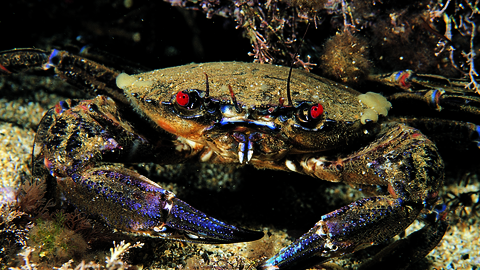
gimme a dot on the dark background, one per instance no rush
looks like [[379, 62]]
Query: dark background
[[169, 35]]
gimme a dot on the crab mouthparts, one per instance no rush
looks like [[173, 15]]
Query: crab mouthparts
[[246, 132], [245, 145]]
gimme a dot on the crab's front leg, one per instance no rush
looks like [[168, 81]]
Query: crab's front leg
[[81, 142], [402, 160]]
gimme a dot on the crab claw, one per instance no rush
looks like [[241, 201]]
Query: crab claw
[[186, 223], [132, 204]]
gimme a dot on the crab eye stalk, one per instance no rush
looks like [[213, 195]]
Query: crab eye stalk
[[193, 103], [189, 100], [308, 114], [182, 99], [316, 111]]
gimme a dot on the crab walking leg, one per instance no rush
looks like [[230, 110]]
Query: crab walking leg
[[80, 140], [410, 249], [350, 228], [96, 78], [401, 159]]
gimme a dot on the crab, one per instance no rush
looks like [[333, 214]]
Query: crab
[[269, 117]]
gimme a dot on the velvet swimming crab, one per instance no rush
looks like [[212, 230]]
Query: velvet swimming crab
[[246, 114]]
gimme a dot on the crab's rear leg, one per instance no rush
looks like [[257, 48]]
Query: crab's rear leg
[[402, 253], [78, 71], [80, 145], [402, 160], [18, 60]]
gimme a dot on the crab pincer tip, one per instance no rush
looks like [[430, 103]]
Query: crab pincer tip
[[301, 254], [197, 227]]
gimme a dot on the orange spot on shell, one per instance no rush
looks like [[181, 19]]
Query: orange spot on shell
[[391, 191], [416, 135], [166, 126], [48, 164], [402, 81], [58, 108]]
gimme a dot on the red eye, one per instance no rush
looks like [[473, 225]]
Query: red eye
[[309, 115], [182, 99], [316, 111]]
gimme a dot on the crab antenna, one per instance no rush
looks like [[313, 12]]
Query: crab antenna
[[207, 91], [234, 100], [289, 97]]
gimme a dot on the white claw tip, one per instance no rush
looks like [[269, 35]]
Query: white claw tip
[[290, 165]]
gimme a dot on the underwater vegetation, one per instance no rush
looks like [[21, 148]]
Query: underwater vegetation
[[46, 238], [51, 241], [437, 37]]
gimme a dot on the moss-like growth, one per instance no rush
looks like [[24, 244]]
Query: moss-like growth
[[54, 243], [311, 4], [345, 58]]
